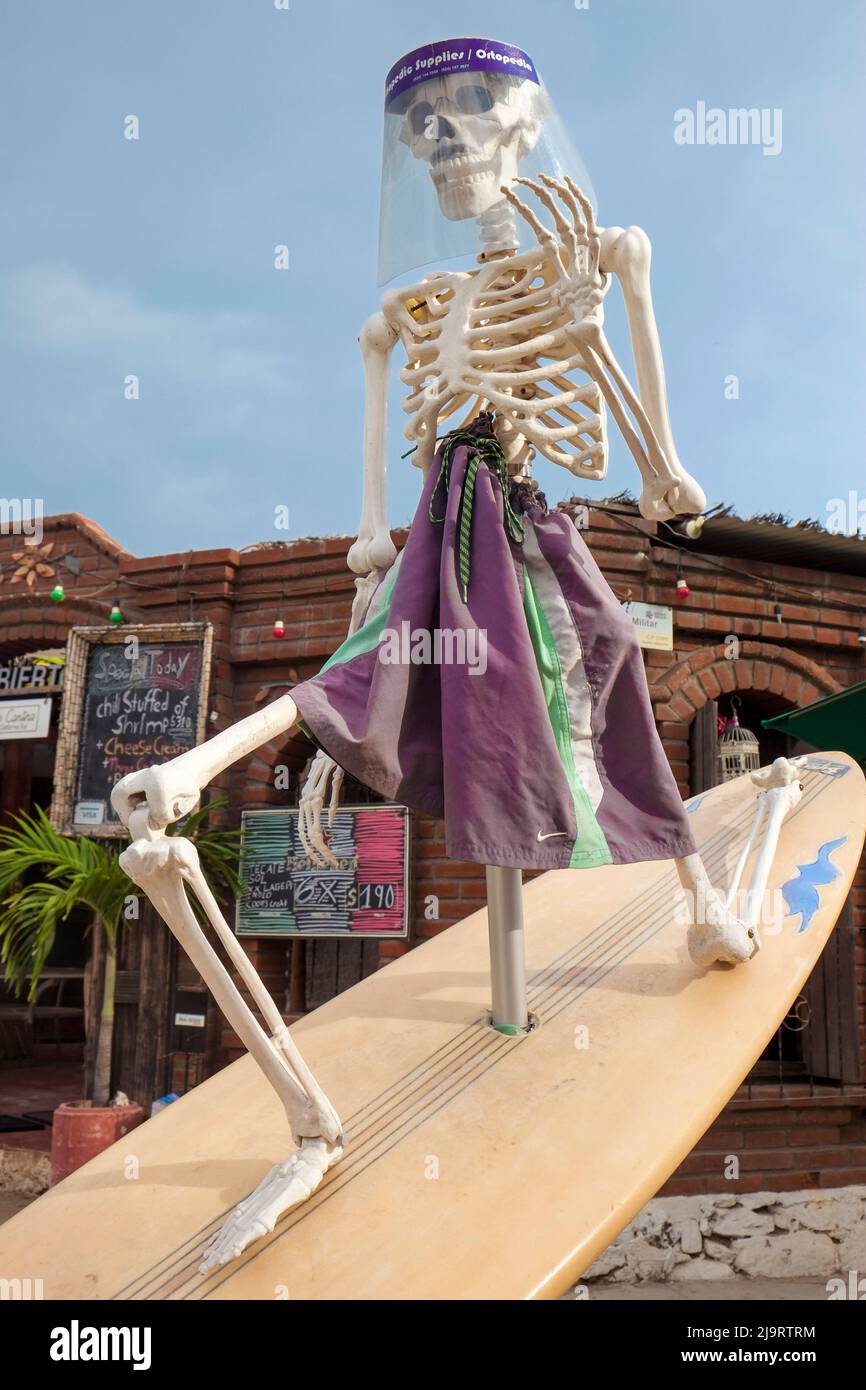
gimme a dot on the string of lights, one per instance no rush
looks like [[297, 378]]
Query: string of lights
[[775, 588]]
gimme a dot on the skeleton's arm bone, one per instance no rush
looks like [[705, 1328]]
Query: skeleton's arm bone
[[172, 790], [374, 549], [627, 253]]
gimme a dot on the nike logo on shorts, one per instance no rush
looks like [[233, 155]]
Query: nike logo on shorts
[[552, 835]]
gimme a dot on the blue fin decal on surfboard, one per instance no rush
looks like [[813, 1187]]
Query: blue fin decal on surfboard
[[690, 806], [801, 893]]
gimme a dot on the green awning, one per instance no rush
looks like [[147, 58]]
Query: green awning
[[838, 721]]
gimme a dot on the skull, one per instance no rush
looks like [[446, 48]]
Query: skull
[[472, 129]]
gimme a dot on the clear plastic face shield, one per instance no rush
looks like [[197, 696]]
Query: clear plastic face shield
[[463, 118]]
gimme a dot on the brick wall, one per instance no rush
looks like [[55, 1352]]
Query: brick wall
[[806, 651]]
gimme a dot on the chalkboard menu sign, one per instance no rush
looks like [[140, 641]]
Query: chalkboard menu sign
[[134, 696], [285, 894]]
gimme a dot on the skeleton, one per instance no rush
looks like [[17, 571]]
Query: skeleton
[[521, 336]]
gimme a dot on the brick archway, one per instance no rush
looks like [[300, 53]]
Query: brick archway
[[707, 672]]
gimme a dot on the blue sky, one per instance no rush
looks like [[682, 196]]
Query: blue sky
[[261, 126]]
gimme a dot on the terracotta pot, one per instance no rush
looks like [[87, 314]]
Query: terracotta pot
[[81, 1131]]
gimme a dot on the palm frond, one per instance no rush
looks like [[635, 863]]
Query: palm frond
[[82, 872]]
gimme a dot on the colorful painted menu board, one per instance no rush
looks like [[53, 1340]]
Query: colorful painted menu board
[[286, 894]]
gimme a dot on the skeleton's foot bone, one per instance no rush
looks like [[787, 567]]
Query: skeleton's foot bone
[[723, 938], [287, 1184], [716, 933]]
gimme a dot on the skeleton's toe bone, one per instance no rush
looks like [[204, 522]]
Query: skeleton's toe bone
[[287, 1184]]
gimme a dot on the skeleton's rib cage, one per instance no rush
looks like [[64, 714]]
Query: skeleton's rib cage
[[497, 337]]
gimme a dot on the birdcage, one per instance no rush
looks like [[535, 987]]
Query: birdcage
[[738, 749]]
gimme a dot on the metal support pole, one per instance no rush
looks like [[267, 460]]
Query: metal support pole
[[507, 954]]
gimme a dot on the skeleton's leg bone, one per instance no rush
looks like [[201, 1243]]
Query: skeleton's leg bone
[[779, 801], [280, 1034], [733, 886], [314, 1123], [171, 790], [721, 935], [309, 1114]]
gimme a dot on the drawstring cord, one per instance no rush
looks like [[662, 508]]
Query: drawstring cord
[[485, 448]]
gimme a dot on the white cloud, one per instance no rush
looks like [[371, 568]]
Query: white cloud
[[56, 308]]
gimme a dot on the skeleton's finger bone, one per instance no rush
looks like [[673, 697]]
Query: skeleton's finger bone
[[585, 206], [562, 223], [545, 237], [570, 229], [593, 236], [573, 206], [320, 844], [336, 788], [308, 822]]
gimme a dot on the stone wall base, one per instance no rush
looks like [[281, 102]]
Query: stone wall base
[[26, 1171], [766, 1235]]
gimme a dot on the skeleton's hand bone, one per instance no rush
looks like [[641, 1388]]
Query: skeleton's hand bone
[[287, 1183], [576, 249], [313, 796], [169, 791], [580, 286]]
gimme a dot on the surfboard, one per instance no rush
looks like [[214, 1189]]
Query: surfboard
[[476, 1165]]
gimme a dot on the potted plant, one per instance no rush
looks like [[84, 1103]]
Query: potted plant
[[44, 876]]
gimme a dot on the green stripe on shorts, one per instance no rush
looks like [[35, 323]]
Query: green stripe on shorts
[[590, 846]]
